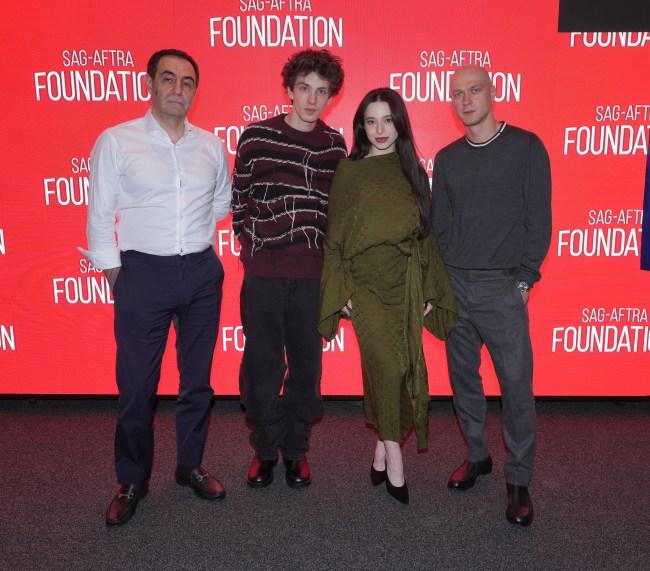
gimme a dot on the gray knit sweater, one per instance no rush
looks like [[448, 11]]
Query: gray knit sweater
[[492, 203]]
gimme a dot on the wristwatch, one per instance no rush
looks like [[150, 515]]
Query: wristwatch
[[523, 286]]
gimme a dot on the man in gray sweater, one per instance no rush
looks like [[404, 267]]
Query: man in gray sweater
[[492, 217]]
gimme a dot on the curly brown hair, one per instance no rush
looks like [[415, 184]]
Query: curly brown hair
[[322, 62]]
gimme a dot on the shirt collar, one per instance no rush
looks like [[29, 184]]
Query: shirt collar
[[152, 126]]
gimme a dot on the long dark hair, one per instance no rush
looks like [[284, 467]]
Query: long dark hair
[[405, 146]]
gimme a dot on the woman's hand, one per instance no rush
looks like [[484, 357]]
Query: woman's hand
[[347, 308]]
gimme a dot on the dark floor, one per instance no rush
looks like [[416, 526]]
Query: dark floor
[[590, 492]]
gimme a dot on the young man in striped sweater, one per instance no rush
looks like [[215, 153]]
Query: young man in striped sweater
[[281, 182]]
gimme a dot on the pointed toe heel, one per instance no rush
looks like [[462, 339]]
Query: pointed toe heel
[[401, 493], [377, 476]]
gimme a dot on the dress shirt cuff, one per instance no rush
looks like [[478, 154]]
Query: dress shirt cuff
[[103, 260]]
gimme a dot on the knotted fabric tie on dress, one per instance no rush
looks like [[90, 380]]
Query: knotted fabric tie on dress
[[413, 308]]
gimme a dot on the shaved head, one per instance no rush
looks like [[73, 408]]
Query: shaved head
[[479, 73]]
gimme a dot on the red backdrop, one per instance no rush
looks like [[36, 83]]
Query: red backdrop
[[75, 71]]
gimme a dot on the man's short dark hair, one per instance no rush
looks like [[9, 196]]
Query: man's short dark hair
[[322, 62], [152, 66]]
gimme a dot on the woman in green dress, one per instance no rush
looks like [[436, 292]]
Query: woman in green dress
[[383, 271]]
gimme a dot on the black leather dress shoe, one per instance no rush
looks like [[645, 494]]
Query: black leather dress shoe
[[377, 476], [260, 474], [520, 506], [465, 476], [200, 480], [124, 503], [401, 493], [298, 472]]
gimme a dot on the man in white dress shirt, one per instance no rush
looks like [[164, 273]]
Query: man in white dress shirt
[[158, 186]]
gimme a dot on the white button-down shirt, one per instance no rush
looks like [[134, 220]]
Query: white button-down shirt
[[151, 195]]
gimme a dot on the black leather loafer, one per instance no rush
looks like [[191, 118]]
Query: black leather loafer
[[200, 480], [520, 506], [260, 474], [298, 472], [465, 476], [125, 502]]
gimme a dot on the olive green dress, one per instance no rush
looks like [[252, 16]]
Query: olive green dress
[[373, 257]]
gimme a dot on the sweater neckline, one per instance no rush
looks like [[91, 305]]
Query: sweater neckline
[[297, 133], [492, 138]]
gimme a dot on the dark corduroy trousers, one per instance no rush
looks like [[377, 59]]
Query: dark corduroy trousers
[[280, 316]]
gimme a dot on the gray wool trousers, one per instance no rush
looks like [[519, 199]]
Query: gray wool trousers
[[492, 313]]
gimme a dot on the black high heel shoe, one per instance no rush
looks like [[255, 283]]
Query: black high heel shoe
[[401, 493], [377, 476]]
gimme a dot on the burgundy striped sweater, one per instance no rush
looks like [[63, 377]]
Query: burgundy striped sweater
[[281, 183]]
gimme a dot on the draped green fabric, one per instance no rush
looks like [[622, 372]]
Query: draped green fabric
[[373, 257]]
